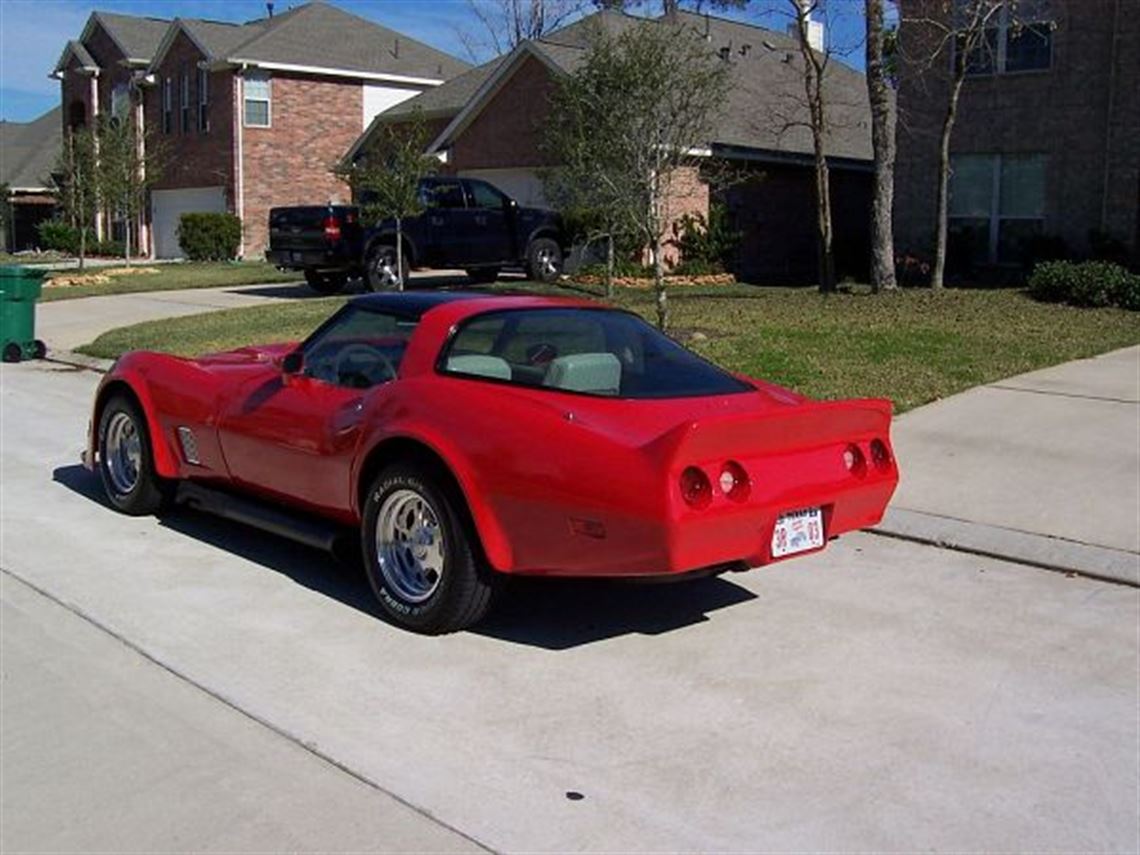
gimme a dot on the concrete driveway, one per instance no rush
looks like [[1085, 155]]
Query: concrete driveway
[[883, 695]]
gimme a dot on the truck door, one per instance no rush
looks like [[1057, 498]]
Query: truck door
[[491, 227], [449, 222]]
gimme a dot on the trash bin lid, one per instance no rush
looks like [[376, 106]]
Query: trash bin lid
[[19, 271]]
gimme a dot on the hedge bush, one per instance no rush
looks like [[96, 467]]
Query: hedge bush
[[1088, 283], [209, 237], [61, 237]]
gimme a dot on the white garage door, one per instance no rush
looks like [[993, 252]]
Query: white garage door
[[168, 205], [522, 185]]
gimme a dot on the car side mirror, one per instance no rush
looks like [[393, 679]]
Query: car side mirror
[[512, 204], [293, 362]]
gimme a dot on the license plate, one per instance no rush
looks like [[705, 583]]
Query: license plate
[[797, 531]]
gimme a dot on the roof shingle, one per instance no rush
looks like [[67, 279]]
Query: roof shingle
[[28, 151]]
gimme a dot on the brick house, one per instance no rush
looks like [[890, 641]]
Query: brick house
[[28, 151], [487, 123], [247, 115], [1046, 144]]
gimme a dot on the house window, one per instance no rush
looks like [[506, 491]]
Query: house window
[[203, 100], [1018, 37], [997, 205], [184, 100], [120, 101], [257, 99], [167, 105]]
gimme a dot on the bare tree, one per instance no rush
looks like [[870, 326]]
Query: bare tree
[[75, 175], [883, 120], [505, 23], [130, 162]]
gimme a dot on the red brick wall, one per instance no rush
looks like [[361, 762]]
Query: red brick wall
[[686, 194], [192, 158], [507, 131], [314, 121]]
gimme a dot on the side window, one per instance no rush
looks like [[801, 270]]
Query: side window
[[444, 194], [359, 349], [483, 195]]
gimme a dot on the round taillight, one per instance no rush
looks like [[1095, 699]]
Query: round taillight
[[879, 454], [853, 460], [695, 487], [734, 481]]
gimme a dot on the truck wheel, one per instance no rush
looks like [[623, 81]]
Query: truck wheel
[[326, 283], [126, 460], [380, 270], [420, 557], [482, 275], [543, 260]]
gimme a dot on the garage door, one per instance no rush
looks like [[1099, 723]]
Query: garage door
[[166, 206], [522, 185]]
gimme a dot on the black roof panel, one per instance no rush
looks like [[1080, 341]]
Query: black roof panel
[[413, 304]]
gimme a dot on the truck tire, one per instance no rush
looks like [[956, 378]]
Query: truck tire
[[544, 260], [327, 283], [380, 272]]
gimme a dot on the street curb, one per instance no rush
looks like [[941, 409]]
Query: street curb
[[1035, 550], [79, 360]]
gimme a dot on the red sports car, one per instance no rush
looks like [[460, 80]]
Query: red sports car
[[468, 437]]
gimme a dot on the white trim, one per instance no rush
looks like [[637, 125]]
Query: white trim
[[336, 72], [239, 158]]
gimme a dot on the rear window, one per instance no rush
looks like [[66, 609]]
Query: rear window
[[587, 351]]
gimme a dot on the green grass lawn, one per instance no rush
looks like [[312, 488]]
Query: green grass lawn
[[913, 347], [173, 276]]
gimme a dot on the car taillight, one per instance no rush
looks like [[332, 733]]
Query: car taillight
[[332, 228], [879, 454], [695, 487], [854, 460], [734, 482]]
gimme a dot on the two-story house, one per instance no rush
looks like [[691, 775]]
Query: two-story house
[[246, 116], [1046, 144]]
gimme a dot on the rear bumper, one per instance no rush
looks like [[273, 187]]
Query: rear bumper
[[308, 259]]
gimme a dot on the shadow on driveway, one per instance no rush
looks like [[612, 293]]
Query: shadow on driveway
[[554, 614]]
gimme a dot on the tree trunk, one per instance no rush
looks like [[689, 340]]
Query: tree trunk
[[127, 241], [813, 90], [610, 265], [883, 144], [399, 254], [82, 246], [659, 284], [938, 271]]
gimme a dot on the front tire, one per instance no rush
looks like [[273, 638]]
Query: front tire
[[381, 271], [419, 553], [326, 284], [483, 275], [126, 460], [544, 260]]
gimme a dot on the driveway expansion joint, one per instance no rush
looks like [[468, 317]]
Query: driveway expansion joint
[[1045, 552], [1059, 394], [305, 745]]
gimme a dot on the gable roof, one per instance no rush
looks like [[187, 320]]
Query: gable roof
[[764, 109], [316, 37], [28, 151], [75, 50], [137, 37]]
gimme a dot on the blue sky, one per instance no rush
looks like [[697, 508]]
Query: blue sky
[[33, 32]]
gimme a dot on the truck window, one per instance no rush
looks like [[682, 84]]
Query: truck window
[[444, 194], [484, 195]]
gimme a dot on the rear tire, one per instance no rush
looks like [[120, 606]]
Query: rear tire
[[326, 283], [13, 352], [483, 275], [420, 554], [380, 271], [544, 260], [126, 460]]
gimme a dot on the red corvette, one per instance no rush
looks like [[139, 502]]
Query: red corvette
[[469, 436]]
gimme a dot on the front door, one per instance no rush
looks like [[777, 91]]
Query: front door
[[492, 229]]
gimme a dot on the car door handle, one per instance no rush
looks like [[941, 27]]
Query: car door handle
[[437, 221], [480, 221]]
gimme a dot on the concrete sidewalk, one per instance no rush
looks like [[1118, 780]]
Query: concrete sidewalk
[[1042, 468]]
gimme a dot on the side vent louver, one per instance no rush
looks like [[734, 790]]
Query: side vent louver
[[189, 445]]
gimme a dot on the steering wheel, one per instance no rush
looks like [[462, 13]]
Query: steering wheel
[[373, 357]]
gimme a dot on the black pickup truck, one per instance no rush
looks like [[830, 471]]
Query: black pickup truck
[[466, 224]]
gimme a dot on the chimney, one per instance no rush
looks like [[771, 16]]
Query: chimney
[[269, 8], [815, 33]]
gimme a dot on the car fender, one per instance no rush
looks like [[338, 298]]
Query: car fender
[[389, 236], [488, 528], [128, 373], [543, 230]]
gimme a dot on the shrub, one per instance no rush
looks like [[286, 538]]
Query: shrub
[[711, 241], [623, 267], [209, 237], [697, 267], [58, 235], [1089, 283]]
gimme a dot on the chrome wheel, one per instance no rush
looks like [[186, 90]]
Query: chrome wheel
[[547, 263], [385, 271], [409, 545], [123, 452]]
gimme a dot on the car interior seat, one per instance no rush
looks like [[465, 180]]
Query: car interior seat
[[598, 373], [481, 366]]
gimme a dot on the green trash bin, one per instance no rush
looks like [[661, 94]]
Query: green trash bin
[[20, 288]]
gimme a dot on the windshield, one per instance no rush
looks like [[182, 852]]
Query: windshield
[[588, 351]]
